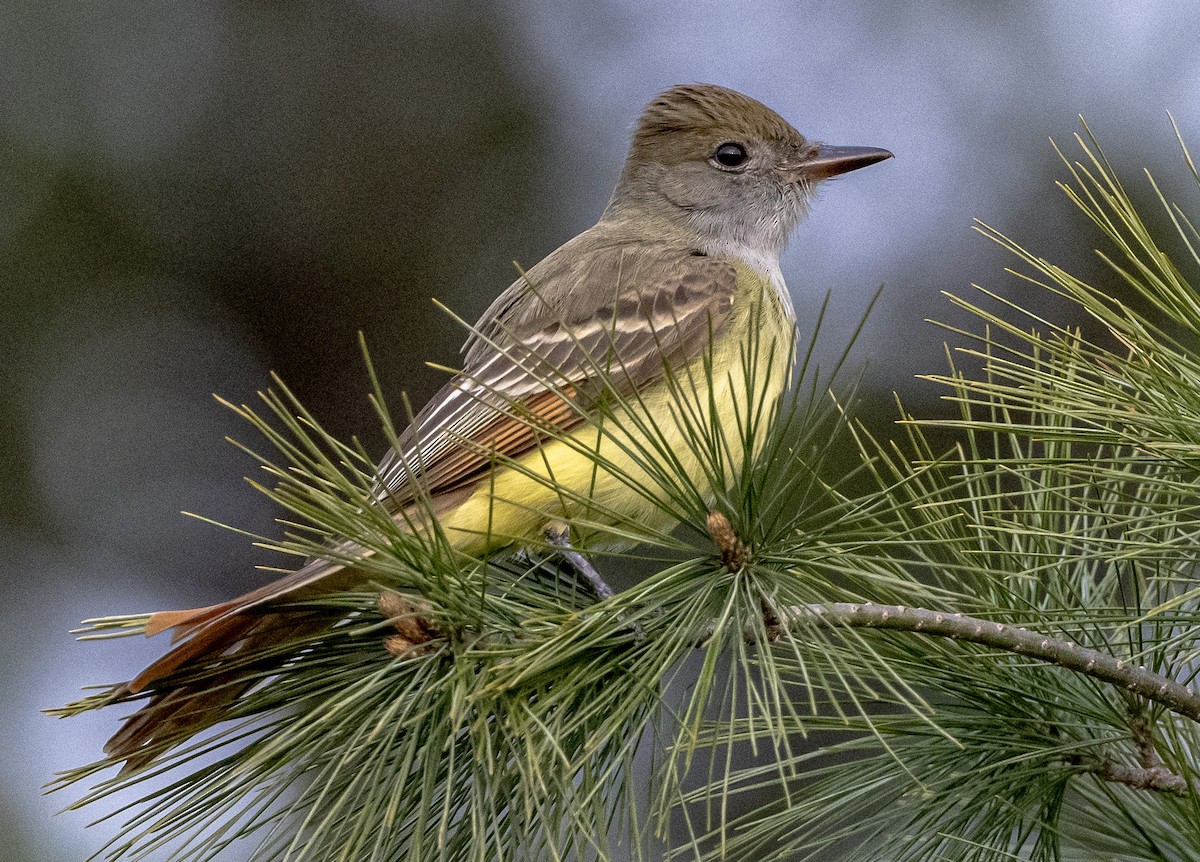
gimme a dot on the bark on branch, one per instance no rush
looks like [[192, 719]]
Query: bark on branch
[[1156, 778]]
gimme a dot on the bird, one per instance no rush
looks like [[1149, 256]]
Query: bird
[[680, 271]]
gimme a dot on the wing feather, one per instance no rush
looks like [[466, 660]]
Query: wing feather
[[623, 313]]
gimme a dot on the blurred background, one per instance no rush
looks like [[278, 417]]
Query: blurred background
[[195, 194]]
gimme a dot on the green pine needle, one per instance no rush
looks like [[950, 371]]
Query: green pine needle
[[714, 708]]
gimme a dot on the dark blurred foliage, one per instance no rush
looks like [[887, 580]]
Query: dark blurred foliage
[[344, 167], [197, 195]]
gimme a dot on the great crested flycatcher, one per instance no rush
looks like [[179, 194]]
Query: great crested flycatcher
[[682, 263]]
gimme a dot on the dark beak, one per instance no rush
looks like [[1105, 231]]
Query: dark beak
[[831, 161]]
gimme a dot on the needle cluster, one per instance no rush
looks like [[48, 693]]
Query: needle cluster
[[986, 653]]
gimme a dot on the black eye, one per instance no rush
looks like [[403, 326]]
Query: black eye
[[730, 155]]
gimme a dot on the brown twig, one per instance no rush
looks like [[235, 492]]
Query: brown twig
[[733, 552], [1142, 731], [1151, 775], [413, 621]]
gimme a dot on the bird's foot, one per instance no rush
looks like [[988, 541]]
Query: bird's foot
[[558, 535]]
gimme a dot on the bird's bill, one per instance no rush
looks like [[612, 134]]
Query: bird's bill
[[831, 161]]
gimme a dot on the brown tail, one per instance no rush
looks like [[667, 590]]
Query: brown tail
[[217, 633]]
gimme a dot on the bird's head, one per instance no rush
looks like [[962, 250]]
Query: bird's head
[[725, 169]]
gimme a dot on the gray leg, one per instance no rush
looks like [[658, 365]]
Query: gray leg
[[558, 535]]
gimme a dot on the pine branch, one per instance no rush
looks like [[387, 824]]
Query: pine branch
[[1156, 778], [1132, 678], [1120, 672]]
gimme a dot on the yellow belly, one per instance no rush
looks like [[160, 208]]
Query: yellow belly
[[599, 475]]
